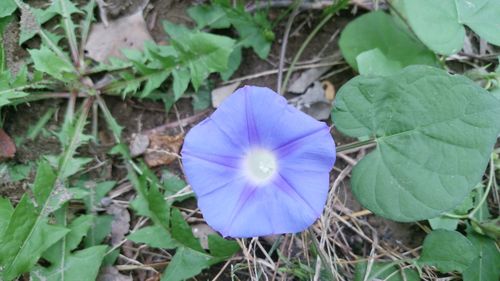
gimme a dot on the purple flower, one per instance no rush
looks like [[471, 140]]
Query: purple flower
[[259, 166]]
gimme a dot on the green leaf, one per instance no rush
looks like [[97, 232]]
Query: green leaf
[[7, 8], [213, 16], [65, 8], [201, 99], [222, 248], [65, 265], [483, 213], [233, 65], [47, 61], [154, 82], [450, 15], [25, 238], [78, 229], [482, 17], [31, 22], [485, 266], [255, 32], [97, 192], [444, 222], [181, 81], [447, 251], [425, 15], [182, 233], [173, 184], [185, 264], [386, 271], [375, 44], [374, 62], [489, 228], [45, 176], [434, 134], [101, 227], [6, 211], [150, 201], [82, 265], [202, 53], [154, 236]]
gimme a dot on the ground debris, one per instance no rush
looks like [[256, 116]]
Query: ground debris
[[163, 149], [317, 101], [121, 222], [108, 41], [305, 79], [7, 146], [221, 93], [110, 273]]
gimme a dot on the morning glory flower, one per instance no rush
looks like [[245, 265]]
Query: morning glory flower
[[259, 166]]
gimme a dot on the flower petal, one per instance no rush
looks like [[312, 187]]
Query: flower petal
[[271, 209], [235, 118], [315, 152], [210, 158], [221, 206], [214, 155]]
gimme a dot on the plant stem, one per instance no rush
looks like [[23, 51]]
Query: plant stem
[[75, 138], [338, 6], [295, 12], [470, 215], [357, 144], [487, 191]]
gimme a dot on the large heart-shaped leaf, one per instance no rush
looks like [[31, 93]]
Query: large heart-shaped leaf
[[374, 43], [485, 266], [434, 135], [448, 251], [440, 24]]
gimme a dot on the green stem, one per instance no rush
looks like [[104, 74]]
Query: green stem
[[357, 144], [338, 6], [470, 215], [75, 138], [487, 191], [116, 130]]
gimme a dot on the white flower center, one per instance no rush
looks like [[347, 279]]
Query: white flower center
[[260, 165]]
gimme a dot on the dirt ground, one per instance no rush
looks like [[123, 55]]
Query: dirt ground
[[137, 116]]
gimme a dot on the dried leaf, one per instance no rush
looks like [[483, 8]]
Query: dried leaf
[[329, 90], [120, 224], [305, 79], [201, 231], [138, 145], [128, 32], [7, 146], [314, 102], [110, 273], [163, 149], [221, 93]]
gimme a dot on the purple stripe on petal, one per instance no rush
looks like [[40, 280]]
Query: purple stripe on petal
[[226, 134], [288, 189], [246, 195], [218, 188], [215, 161], [291, 145], [253, 134], [226, 161]]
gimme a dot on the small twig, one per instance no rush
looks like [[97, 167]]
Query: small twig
[[355, 146], [275, 71], [327, 18], [182, 122], [285, 43], [313, 5], [102, 12]]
